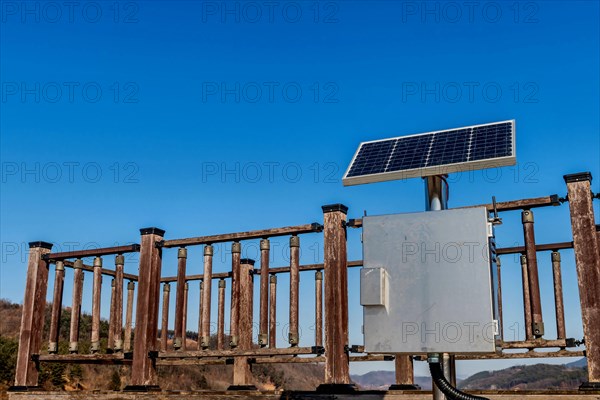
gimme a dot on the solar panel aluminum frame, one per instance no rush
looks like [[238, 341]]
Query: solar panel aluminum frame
[[436, 169]]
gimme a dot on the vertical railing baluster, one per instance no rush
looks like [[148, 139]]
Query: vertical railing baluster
[[128, 317], [526, 299], [206, 297], [263, 336], [96, 299], [186, 289], [111, 317], [558, 296], [221, 316], [164, 330], [499, 299], [319, 308], [59, 280], [273, 311], [181, 266], [118, 333], [76, 306], [294, 289], [200, 311], [236, 250], [532, 273]]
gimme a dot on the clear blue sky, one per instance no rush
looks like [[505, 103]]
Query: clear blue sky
[[210, 117]]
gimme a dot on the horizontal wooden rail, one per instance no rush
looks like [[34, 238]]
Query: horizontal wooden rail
[[118, 358], [536, 344], [538, 247], [105, 251], [260, 352], [513, 205], [278, 270], [527, 354], [230, 237], [105, 271], [546, 201]]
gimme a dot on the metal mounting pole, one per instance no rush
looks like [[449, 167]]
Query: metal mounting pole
[[436, 199]]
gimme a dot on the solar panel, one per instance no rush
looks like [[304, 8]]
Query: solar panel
[[433, 153]]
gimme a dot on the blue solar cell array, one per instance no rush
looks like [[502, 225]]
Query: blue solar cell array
[[434, 149]]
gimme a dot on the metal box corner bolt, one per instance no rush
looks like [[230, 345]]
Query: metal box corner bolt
[[429, 283]]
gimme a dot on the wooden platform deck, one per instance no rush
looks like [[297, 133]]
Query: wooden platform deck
[[363, 395]]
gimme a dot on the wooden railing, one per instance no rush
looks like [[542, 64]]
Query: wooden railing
[[151, 347]]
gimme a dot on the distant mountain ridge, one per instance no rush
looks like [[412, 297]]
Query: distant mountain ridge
[[538, 376]]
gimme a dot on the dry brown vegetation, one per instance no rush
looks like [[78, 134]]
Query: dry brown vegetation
[[101, 377]]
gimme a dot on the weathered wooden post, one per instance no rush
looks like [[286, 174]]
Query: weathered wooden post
[[32, 319], [59, 281], [242, 375], [337, 370], [404, 373], [143, 368], [587, 260]]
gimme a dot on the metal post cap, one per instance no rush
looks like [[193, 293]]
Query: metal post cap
[[555, 256], [119, 259], [294, 241], [182, 252], [208, 250], [263, 339], [319, 275], [523, 259], [97, 262], [222, 283], [236, 247], [78, 264], [273, 278], [130, 285], [527, 216], [59, 266], [265, 244], [166, 287]]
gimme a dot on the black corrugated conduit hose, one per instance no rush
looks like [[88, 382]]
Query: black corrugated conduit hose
[[445, 387]]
